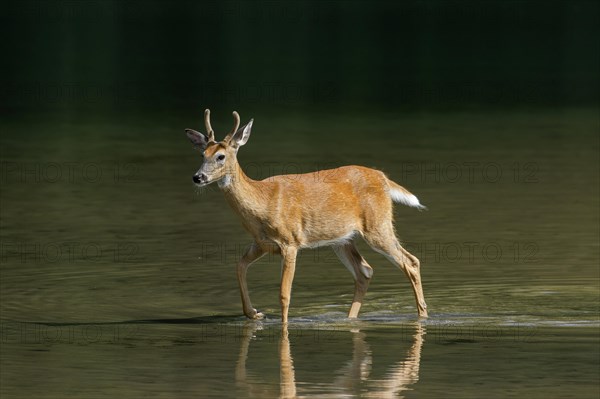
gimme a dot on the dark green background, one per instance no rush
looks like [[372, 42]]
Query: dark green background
[[161, 56], [487, 111]]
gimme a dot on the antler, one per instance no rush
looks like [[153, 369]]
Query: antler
[[209, 129], [236, 125]]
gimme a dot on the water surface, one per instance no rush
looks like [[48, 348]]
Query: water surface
[[118, 275]]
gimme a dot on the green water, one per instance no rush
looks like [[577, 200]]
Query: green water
[[118, 279]]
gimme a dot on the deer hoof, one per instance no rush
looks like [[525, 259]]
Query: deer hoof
[[255, 315], [259, 316]]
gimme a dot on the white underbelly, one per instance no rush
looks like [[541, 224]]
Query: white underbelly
[[332, 242]]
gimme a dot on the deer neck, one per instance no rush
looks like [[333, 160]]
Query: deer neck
[[242, 193]]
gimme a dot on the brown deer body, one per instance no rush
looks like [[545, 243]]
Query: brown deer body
[[290, 212]]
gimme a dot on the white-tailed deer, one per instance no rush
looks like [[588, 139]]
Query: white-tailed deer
[[287, 213]]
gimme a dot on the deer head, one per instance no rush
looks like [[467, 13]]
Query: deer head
[[220, 158]]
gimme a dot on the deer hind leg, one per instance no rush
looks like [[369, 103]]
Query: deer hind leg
[[253, 253], [361, 271], [288, 267], [386, 243]]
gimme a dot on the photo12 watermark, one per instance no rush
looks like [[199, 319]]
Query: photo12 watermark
[[29, 333], [68, 172], [70, 252], [24, 333], [85, 93], [471, 172], [468, 172]]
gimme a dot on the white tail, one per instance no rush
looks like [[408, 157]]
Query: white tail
[[403, 196], [290, 212]]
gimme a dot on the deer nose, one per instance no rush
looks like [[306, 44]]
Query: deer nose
[[199, 178]]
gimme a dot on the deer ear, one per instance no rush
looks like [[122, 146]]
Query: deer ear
[[242, 135], [199, 140]]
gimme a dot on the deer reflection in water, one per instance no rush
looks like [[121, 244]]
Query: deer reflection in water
[[353, 378]]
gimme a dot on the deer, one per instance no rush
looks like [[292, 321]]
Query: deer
[[288, 213]]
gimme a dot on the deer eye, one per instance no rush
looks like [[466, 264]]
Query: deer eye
[[220, 157]]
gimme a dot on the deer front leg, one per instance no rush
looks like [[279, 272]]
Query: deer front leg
[[288, 268], [253, 253]]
